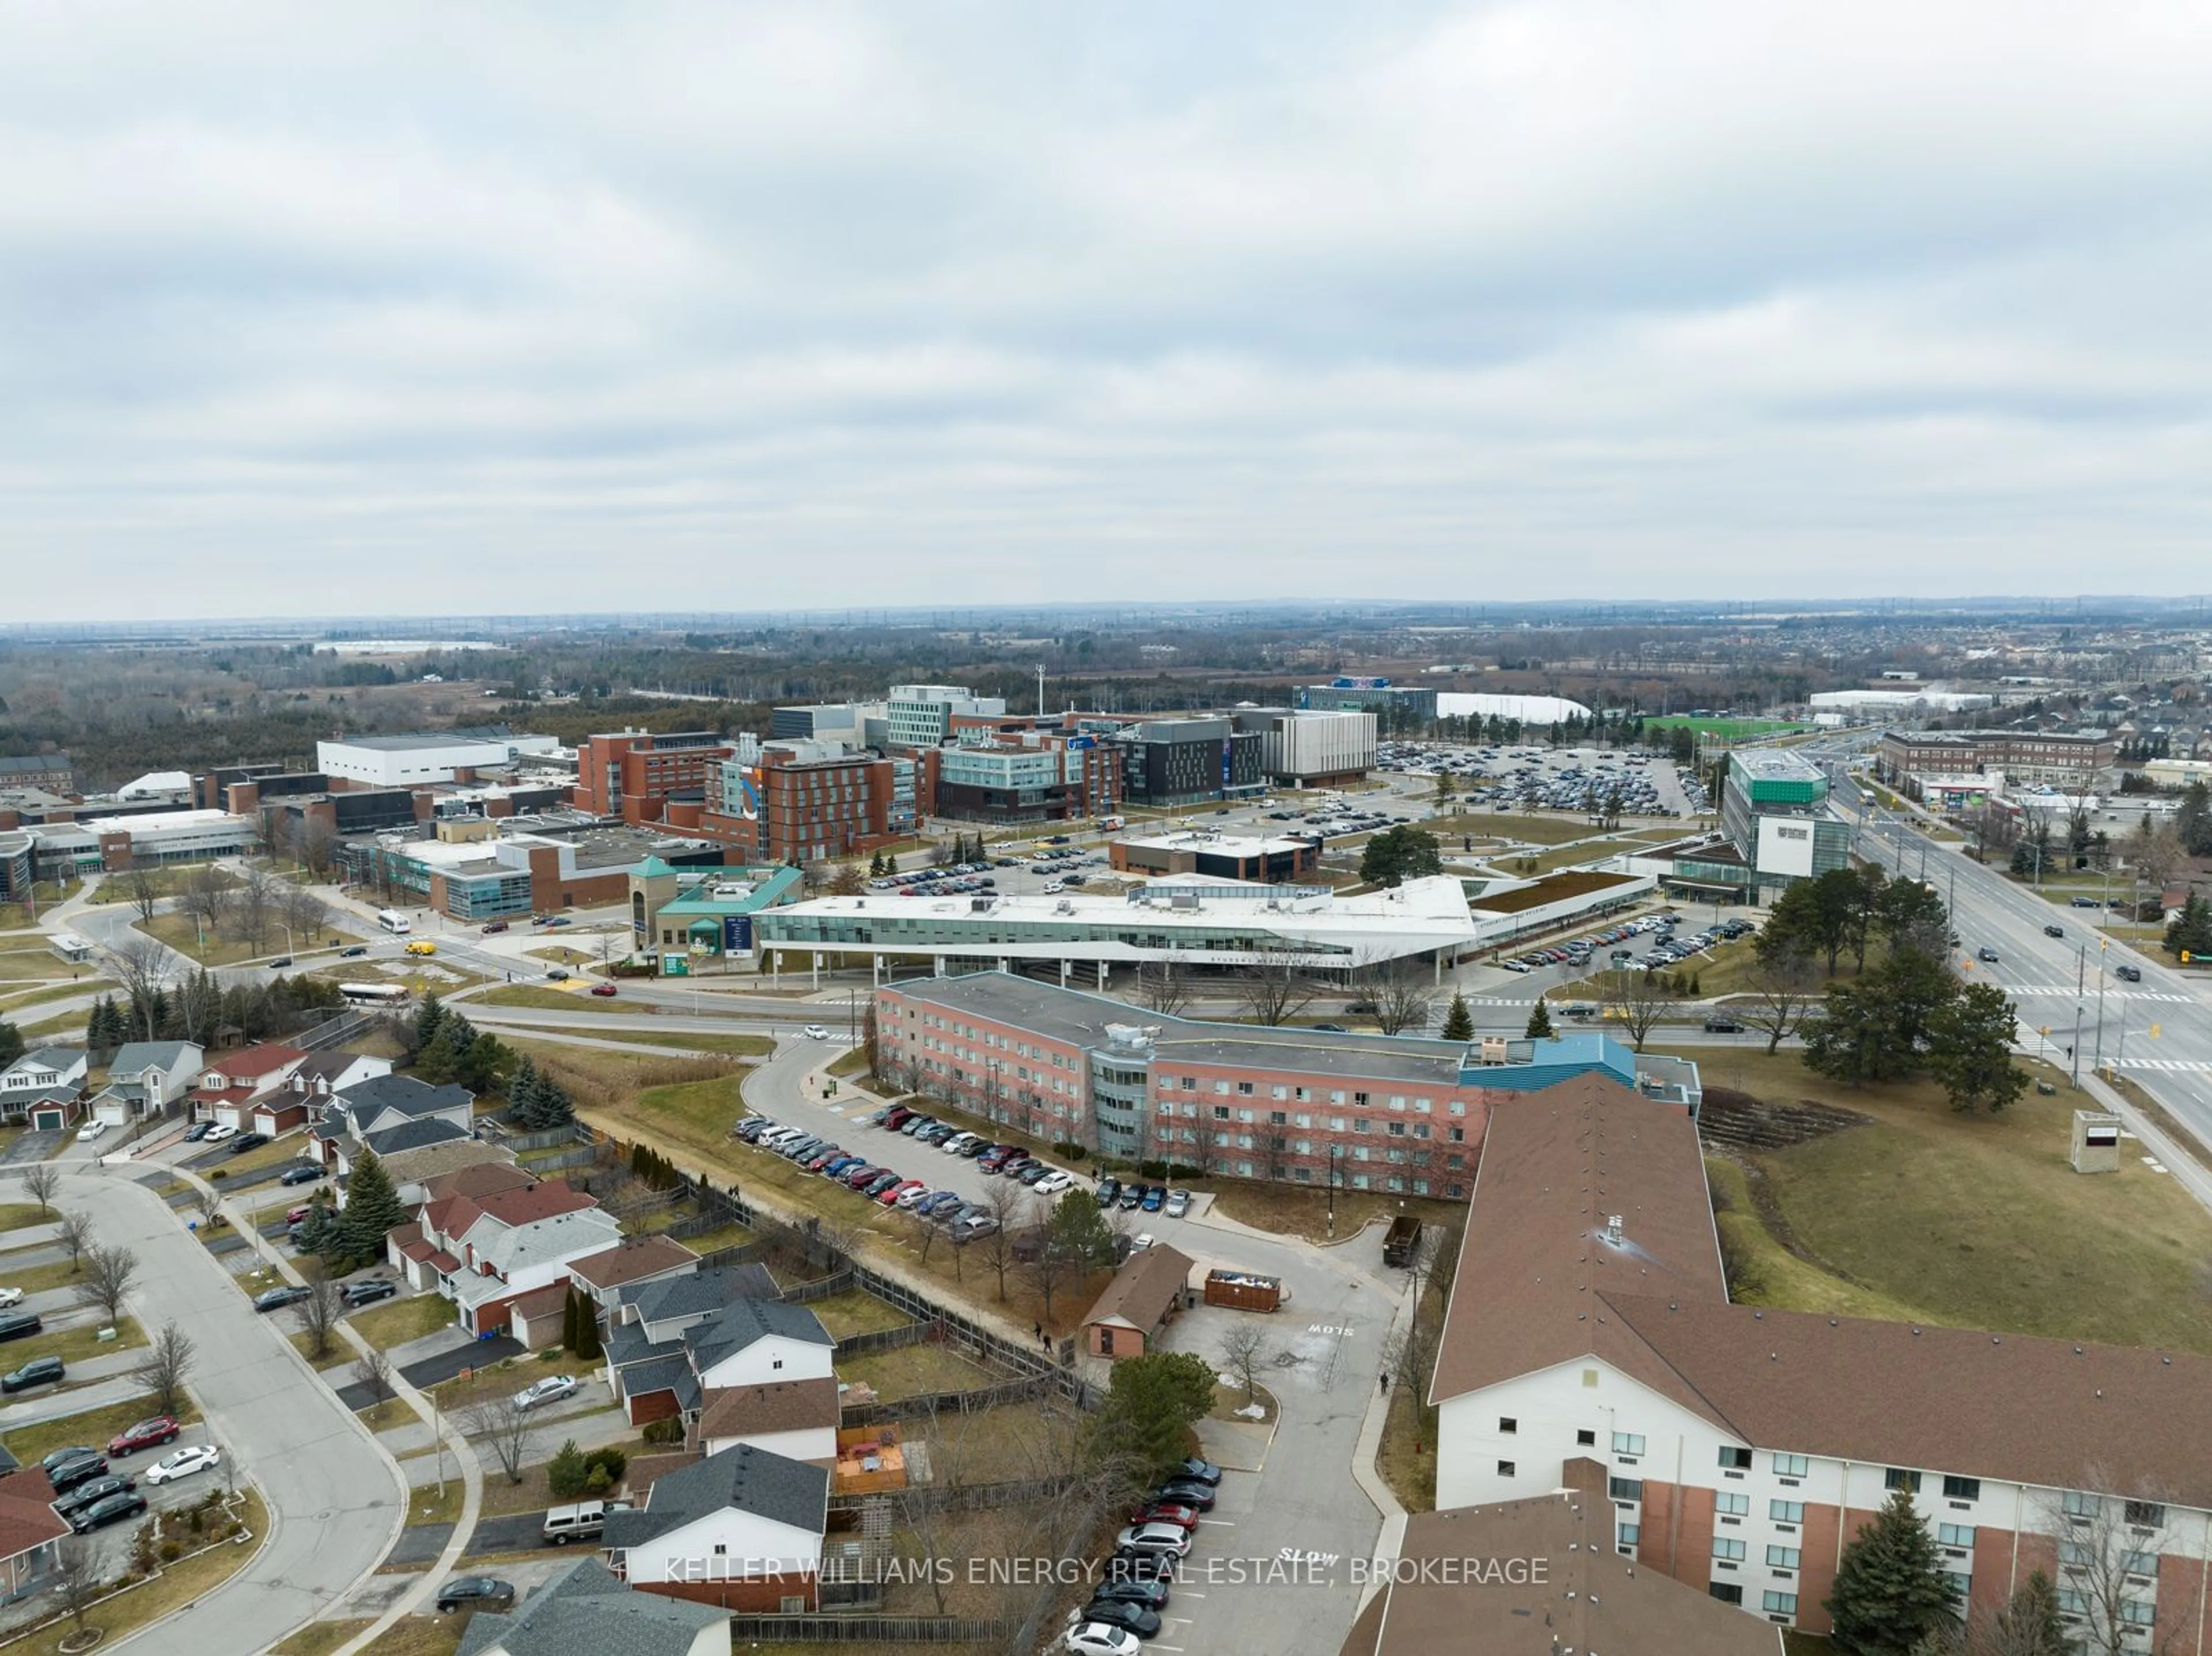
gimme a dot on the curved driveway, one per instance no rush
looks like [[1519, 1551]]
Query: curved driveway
[[336, 1500]]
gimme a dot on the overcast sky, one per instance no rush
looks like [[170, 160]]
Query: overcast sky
[[457, 308]]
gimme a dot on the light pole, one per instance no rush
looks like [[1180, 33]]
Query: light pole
[[1332, 1189]]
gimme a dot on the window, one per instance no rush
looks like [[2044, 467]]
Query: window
[[2075, 1555], [1507, 1423], [1736, 1505], [1738, 1459], [1628, 1443], [2078, 1505], [1244, 1089], [1959, 1584], [1898, 1477], [1955, 1535], [1727, 1592], [1962, 1489], [1778, 1603], [1505, 1469], [1786, 1511], [1727, 1548], [1783, 1558], [1625, 1488], [2147, 1513], [1624, 1536], [2143, 1563], [1791, 1465], [1359, 1101], [2137, 1612], [1587, 1438]]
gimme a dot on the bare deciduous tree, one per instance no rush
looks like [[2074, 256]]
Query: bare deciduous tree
[[1239, 1353], [109, 1273], [1002, 1201], [1401, 993], [305, 912], [253, 908], [316, 847], [372, 1370], [76, 1235], [923, 1512], [1163, 987], [1782, 986], [207, 1205], [205, 895], [1273, 993], [145, 892], [168, 1360], [76, 1576], [141, 966], [504, 1430], [2109, 1553], [41, 1181], [318, 1311], [1637, 1001]]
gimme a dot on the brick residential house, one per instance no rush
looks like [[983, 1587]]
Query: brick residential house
[[741, 1529], [233, 1084]]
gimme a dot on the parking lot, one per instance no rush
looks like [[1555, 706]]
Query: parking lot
[[1566, 778]]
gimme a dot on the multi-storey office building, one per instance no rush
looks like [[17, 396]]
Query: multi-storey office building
[[1380, 1112], [1399, 707], [636, 775], [2044, 758], [1307, 748], [800, 801], [1746, 1446], [1774, 809], [1183, 761], [1033, 779], [920, 715]]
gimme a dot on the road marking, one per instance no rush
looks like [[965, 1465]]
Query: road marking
[[1189, 1595], [1222, 1523], [1325, 1328]]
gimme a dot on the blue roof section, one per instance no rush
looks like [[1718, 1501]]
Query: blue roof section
[[772, 888], [1533, 1065]]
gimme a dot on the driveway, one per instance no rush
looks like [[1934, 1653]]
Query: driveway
[[335, 1499], [470, 1354]]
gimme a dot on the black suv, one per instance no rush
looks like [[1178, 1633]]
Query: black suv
[[39, 1371], [2128, 974], [109, 1509], [81, 1470], [248, 1141], [85, 1494], [276, 1299], [369, 1291]]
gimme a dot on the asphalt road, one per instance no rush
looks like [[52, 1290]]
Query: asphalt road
[[1332, 1336], [336, 1503], [2056, 982]]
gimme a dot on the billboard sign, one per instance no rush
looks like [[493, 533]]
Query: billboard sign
[[737, 934]]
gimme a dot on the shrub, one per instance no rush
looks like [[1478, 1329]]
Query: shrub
[[598, 1483], [613, 1460], [566, 1473], [171, 1552], [664, 1431], [1068, 1150], [219, 1173], [196, 1521]]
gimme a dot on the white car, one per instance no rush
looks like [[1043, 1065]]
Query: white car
[[1053, 1183], [550, 1389], [10, 1296], [1053, 888], [90, 1131], [183, 1464], [1170, 1538], [815, 1032], [220, 1132], [957, 1143], [1097, 1639]]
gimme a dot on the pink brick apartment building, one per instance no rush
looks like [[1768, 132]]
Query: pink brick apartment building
[[1356, 1112]]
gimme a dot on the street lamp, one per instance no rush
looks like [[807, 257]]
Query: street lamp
[[1332, 1189]]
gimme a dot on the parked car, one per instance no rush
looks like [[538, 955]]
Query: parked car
[[1166, 1511], [551, 1389], [1097, 1639], [353, 951], [248, 1141], [1154, 1537], [39, 1371], [892, 1195], [149, 1433], [1153, 1594], [183, 1463], [198, 1130], [10, 1296], [1186, 1492], [1127, 1564], [68, 1451], [1133, 1197], [604, 991], [221, 1131], [98, 1489], [1178, 1204], [882, 1182], [475, 1592], [1110, 1192], [307, 1173], [585, 1521], [108, 1509], [368, 1291], [77, 1469], [1155, 1198], [1195, 1470], [90, 1131], [1121, 1616], [276, 1299]]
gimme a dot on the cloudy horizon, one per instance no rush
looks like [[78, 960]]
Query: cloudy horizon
[[417, 310]]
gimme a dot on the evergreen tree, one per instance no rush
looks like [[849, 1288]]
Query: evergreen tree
[[522, 1089], [876, 866], [372, 1208], [2190, 933], [891, 863], [11, 1043], [588, 1349], [1539, 1022], [427, 1017], [1459, 1023], [568, 1322], [1889, 1591], [551, 1106], [319, 1231]]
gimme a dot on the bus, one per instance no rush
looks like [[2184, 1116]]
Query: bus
[[71, 947], [373, 994], [393, 920]]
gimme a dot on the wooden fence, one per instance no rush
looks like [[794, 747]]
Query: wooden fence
[[865, 1630]]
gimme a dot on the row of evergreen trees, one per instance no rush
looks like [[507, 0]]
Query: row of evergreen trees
[[448, 1048], [350, 1238], [651, 1168], [536, 1100], [197, 1007]]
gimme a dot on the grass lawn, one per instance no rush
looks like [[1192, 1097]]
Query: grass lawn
[[19, 964], [20, 999], [499, 1381], [856, 1312], [426, 1506], [600, 1075], [183, 934], [911, 1370], [37, 1278], [14, 1216], [69, 1023], [339, 1355], [410, 1635], [1978, 1221], [94, 1426], [1406, 1457], [178, 1584], [730, 1046], [291, 1148], [383, 1416], [854, 1063], [534, 1494], [712, 1242], [1297, 1210], [79, 1344], [1228, 1399], [398, 1321], [1513, 825], [548, 999]]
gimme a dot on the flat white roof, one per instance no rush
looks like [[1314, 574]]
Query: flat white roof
[[1220, 844], [154, 819]]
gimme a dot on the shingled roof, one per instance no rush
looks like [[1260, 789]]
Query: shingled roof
[[767, 1485]]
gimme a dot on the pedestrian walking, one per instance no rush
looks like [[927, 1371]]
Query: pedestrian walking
[[1383, 1381]]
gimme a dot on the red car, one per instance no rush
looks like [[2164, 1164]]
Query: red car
[[891, 1197], [1164, 1512], [146, 1435], [491, 926], [603, 989]]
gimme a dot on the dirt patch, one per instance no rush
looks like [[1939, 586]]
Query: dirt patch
[[1737, 1120]]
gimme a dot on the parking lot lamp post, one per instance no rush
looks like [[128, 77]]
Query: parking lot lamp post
[[1332, 1190]]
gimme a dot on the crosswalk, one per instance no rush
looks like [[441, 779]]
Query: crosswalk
[[2169, 1066], [2067, 991]]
